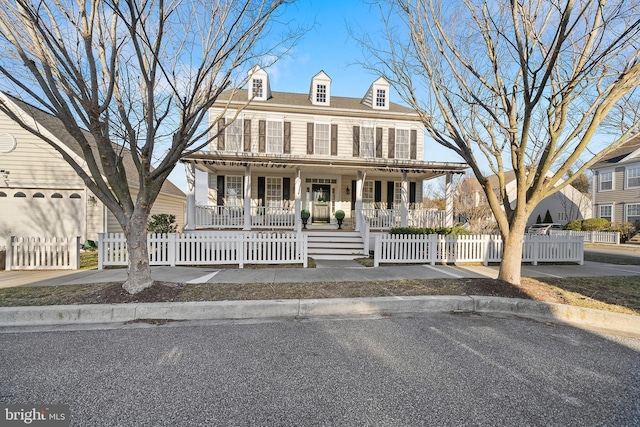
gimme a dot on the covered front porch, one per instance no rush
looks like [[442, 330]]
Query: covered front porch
[[267, 192]]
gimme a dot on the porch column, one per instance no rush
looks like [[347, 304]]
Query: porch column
[[404, 200], [247, 198], [298, 201], [190, 169], [448, 201], [358, 207]]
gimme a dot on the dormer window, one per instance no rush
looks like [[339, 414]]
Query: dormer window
[[381, 98], [321, 94], [320, 89], [258, 85]]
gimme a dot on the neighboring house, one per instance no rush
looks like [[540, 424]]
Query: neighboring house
[[41, 194], [286, 152], [564, 206], [616, 184]]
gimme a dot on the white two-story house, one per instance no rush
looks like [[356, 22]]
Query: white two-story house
[[278, 153]]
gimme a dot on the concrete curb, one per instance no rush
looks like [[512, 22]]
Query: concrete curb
[[314, 308]]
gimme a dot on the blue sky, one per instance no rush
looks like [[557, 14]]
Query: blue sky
[[328, 47]]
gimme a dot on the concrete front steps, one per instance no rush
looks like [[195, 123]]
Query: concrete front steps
[[334, 244]]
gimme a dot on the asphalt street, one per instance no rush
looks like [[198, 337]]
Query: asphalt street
[[437, 369]]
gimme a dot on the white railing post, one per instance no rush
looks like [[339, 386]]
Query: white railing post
[[241, 248], [377, 249], [75, 260], [102, 251], [9, 255], [305, 250], [172, 249]]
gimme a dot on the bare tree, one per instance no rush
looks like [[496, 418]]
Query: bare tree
[[522, 85], [123, 76]]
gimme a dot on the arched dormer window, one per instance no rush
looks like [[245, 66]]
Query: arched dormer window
[[19, 194], [38, 196], [56, 196]]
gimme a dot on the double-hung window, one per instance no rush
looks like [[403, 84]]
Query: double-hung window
[[633, 177], [402, 144], [233, 140], [605, 211], [605, 181], [633, 213], [322, 139], [367, 141], [275, 142], [273, 194], [397, 194]]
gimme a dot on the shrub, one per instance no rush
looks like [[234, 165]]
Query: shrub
[[595, 224], [339, 214], [626, 230], [305, 214], [162, 223], [575, 225], [439, 230]]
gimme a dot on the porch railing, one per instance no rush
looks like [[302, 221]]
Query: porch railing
[[384, 219], [233, 217]]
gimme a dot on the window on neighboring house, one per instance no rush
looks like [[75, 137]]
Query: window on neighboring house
[[234, 134], [562, 216], [381, 97], [605, 180], [322, 139], [321, 93], [633, 213], [233, 191], [367, 195], [402, 144], [605, 211], [274, 137], [367, 142], [633, 177], [256, 88], [273, 194]]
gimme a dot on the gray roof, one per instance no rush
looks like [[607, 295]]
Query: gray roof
[[290, 99], [619, 154], [55, 126]]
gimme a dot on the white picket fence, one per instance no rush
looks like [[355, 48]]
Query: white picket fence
[[42, 253], [433, 248], [591, 236], [209, 249]]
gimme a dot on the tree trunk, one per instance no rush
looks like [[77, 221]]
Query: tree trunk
[[511, 266], [138, 252]]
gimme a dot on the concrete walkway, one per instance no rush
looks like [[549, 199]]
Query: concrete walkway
[[326, 271]]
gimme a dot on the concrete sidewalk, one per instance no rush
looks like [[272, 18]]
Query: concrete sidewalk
[[326, 271]]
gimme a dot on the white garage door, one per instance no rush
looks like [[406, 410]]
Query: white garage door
[[41, 213]]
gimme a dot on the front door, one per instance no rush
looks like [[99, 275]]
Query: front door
[[321, 203]]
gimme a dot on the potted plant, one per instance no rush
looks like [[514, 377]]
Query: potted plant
[[305, 214], [339, 214]]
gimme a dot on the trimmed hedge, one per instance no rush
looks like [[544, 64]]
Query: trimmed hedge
[[437, 230], [575, 225], [595, 224]]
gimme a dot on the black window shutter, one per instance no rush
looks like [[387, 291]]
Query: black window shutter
[[392, 143], [261, 189], [378, 142], [222, 130], [334, 140], [390, 187], [262, 131], [247, 135], [287, 137], [377, 191], [414, 144], [309, 138], [353, 194], [412, 192], [356, 141], [220, 186], [286, 188]]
